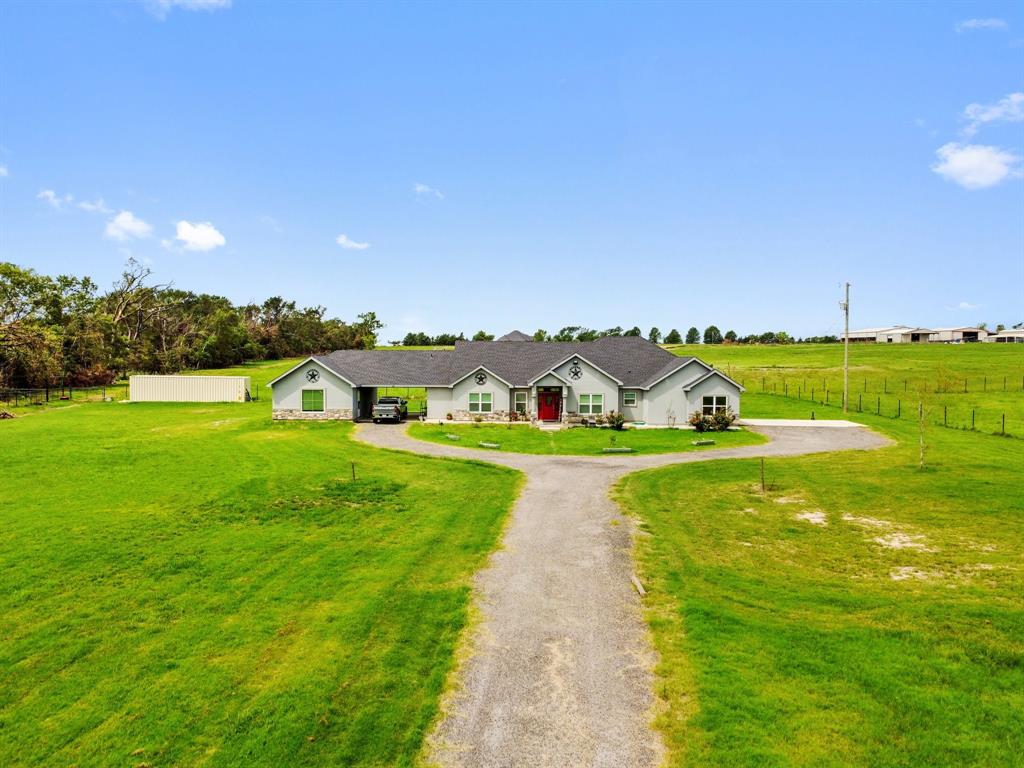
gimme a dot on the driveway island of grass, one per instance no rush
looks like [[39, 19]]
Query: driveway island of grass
[[187, 584], [861, 611], [522, 438]]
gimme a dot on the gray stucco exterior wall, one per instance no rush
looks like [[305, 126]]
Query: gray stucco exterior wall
[[591, 382], [287, 394]]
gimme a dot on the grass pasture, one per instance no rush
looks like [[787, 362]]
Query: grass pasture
[[522, 438], [956, 382], [861, 612], [193, 584]]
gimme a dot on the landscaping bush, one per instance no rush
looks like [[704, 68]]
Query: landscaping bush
[[616, 420], [699, 421], [712, 422], [723, 419]]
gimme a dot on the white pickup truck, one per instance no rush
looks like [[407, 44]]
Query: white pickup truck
[[390, 409]]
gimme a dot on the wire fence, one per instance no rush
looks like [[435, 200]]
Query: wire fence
[[908, 402], [17, 397]]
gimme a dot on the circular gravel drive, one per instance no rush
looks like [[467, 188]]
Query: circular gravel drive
[[560, 666]]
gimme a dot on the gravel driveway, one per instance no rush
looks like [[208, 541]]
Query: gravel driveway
[[560, 666]]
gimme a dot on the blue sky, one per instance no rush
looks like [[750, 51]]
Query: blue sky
[[461, 166]]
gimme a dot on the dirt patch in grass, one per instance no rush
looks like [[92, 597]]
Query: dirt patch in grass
[[904, 541], [867, 522], [813, 516]]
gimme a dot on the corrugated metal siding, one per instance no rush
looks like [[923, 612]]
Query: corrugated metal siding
[[188, 389]]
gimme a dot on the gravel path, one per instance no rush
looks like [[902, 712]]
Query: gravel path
[[560, 666]]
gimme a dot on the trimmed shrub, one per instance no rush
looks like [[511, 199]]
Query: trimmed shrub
[[616, 420]]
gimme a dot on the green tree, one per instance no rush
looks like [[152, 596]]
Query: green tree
[[634, 331], [654, 335], [730, 336], [541, 335], [712, 335], [673, 337], [693, 336], [483, 336]]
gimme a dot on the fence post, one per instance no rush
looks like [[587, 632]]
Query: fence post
[[47, 393], [945, 415], [972, 419], [878, 407], [984, 383], [899, 409], [885, 386], [904, 385], [860, 403], [965, 386], [826, 397], [1004, 425]]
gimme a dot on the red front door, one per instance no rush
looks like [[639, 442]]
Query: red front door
[[548, 405]]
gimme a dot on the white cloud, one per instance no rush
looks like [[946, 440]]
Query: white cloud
[[970, 24], [53, 199], [273, 223], [4, 173], [352, 245], [976, 166], [160, 8], [965, 306], [199, 236], [1009, 109], [125, 226], [99, 206], [426, 189]]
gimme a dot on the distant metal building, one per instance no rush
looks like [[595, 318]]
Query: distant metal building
[[892, 334], [958, 335], [188, 389], [1009, 336]]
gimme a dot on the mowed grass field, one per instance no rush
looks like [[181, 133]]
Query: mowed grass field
[[521, 438], [862, 611], [194, 585]]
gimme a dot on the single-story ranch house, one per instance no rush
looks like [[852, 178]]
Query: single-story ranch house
[[512, 379]]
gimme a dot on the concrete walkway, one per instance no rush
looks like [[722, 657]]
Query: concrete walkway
[[560, 667]]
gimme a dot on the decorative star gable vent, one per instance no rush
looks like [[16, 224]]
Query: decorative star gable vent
[[575, 372]]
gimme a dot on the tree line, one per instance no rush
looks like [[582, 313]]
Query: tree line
[[65, 331], [711, 335]]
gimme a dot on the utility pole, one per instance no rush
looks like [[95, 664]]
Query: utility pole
[[845, 306]]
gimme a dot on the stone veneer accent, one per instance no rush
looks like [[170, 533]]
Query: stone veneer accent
[[492, 416], [330, 414]]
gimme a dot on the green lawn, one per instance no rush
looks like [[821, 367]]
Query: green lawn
[[193, 584], [521, 438], [785, 642]]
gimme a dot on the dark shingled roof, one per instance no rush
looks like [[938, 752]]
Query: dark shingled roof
[[515, 336], [631, 359]]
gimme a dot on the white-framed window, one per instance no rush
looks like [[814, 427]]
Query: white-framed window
[[591, 405], [715, 403], [629, 399], [480, 402], [520, 402], [312, 401]]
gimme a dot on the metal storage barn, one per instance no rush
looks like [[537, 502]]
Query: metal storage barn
[[188, 389]]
